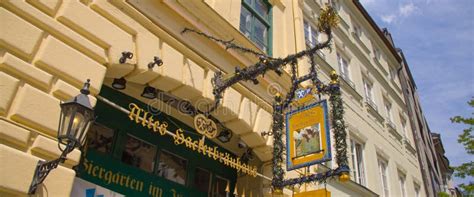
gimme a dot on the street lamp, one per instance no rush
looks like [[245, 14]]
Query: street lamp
[[76, 116]]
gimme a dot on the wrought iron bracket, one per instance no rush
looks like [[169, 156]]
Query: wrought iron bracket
[[328, 18], [43, 168]]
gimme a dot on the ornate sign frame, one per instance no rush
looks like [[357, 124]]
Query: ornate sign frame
[[309, 123]]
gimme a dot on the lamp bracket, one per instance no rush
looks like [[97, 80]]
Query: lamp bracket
[[42, 170], [44, 167]]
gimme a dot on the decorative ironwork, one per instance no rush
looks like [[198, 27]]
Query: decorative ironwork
[[205, 126], [43, 168], [77, 114], [328, 18]]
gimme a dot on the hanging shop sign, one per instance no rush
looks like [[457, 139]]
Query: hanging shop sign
[[307, 135], [147, 120], [314, 193], [304, 96]]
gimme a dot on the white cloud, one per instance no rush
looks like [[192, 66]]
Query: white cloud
[[407, 9], [388, 18]]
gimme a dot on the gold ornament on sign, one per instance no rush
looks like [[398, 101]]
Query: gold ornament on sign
[[278, 192], [334, 77], [344, 177], [327, 19], [205, 126]]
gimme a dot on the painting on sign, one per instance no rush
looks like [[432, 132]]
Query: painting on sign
[[307, 130], [307, 140]]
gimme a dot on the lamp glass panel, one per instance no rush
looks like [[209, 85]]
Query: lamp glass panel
[[82, 138], [78, 124], [67, 113], [83, 127]]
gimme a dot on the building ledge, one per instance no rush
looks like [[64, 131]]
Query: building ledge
[[361, 44], [372, 109], [379, 65], [390, 126], [409, 147]]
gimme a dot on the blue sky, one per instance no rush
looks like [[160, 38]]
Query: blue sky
[[437, 38]]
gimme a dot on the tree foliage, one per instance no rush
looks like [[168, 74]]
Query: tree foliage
[[466, 170]]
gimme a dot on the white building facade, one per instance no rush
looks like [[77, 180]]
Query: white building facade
[[382, 150]]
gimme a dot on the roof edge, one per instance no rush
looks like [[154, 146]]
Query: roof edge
[[377, 29]]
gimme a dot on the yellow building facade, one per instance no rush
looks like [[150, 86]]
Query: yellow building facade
[[50, 47]]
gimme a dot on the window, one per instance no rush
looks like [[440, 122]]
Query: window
[[172, 167], [343, 67], [139, 153], [335, 4], [221, 187], [417, 190], [310, 35], [392, 73], [202, 180], [124, 147], [377, 54], [357, 157], [401, 180], [100, 138], [404, 127], [368, 90], [383, 177], [357, 31], [388, 109], [255, 22]]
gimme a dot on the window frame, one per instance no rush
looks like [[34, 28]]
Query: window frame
[[186, 169], [377, 53], [369, 92], [404, 127], [122, 150], [388, 110], [344, 68], [308, 27], [402, 183], [357, 29], [214, 184], [392, 73], [359, 172], [113, 143], [383, 170], [255, 15], [417, 190], [209, 188]]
